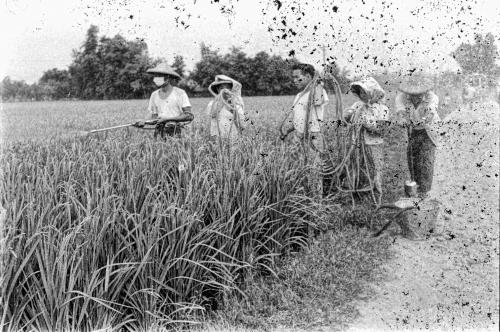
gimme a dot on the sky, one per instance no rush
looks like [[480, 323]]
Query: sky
[[361, 35]]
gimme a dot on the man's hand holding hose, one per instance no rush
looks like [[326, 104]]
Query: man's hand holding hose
[[186, 116]]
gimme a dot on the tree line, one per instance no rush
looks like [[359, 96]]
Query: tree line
[[115, 68]]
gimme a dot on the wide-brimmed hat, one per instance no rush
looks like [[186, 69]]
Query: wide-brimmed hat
[[416, 84], [163, 69], [371, 87], [222, 79]]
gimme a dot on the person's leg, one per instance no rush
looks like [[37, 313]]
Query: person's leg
[[426, 164], [318, 157], [377, 155], [424, 156], [409, 154]]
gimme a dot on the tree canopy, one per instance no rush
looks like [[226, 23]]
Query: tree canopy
[[115, 68], [479, 57]]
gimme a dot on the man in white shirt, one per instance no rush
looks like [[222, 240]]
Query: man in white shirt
[[169, 103], [308, 111]]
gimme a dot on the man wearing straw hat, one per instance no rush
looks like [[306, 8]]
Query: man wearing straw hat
[[226, 111], [169, 103], [416, 108]]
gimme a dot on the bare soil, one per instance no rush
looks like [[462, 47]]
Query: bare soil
[[451, 281]]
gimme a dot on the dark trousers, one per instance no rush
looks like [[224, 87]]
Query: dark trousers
[[163, 130], [421, 154]]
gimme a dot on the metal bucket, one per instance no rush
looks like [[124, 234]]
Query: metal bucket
[[411, 188], [422, 221]]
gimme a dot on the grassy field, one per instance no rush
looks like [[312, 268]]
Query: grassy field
[[121, 230], [47, 120]]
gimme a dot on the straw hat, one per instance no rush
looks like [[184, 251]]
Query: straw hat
[[163, 69], [416, 84], [371, 87], [220, 79]]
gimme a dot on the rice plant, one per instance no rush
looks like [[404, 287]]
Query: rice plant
[[136, 234]]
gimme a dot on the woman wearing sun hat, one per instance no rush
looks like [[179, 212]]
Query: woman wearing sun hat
[[169, 103], [371, 114], [226, 111], [416, 108]]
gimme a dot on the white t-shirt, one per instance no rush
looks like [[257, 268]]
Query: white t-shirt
[[170, 106], [227, 125], [316, 115]]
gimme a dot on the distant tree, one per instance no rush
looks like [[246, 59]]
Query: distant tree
[[122, 68], [11, 90], [85, 67], [210, 64], [280, 76], [341, 75], [6, 88], [179, 65], [479, 57], [237, 65], [260, 75], [91, 43], [111, 68], [258, 80], [449, 78], [55, 83]]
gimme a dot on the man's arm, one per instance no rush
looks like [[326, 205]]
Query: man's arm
[[378, 122], [401, 113], [352, 113], [152, 109], [320, 96], [431, 111], [288, 130], [186, 116], [287, 127], [242, 115]]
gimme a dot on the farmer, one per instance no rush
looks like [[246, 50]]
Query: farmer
[[226, 111], [416, 108], [306, 124], [308, 109], [371, 115], [168, 103]]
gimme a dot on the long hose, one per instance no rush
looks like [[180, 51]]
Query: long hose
[[353, 159]]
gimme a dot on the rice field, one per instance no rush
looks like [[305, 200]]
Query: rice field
[[124, 231]]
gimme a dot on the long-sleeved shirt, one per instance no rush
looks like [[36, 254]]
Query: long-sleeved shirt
[[316, 113], [424, 116], [370, 116], [223, 121], [227, 121]]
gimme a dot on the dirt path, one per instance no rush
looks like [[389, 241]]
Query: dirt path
[[450, 282]]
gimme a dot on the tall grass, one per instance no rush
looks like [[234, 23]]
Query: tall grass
[[141, 234]]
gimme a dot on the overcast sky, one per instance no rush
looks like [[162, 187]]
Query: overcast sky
[[363, 35]]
